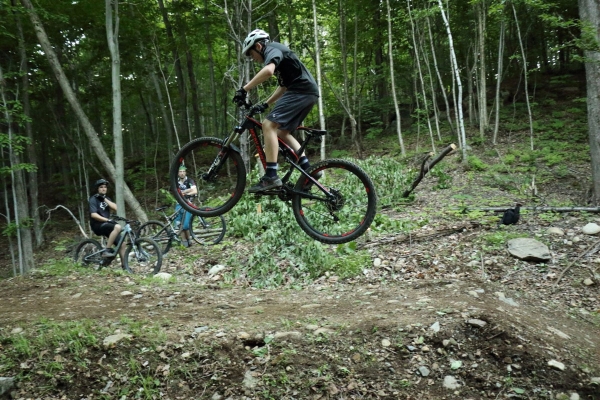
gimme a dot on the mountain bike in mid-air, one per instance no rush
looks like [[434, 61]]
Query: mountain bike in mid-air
[[333, 202], [204, 230], [142, 255]]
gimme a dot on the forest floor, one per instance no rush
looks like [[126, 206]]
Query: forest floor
[[446, 313]]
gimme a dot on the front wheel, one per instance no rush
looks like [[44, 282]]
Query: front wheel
[[88, 254], [218, 172], [340, 208], [208, 230], [143, 257], [157, 231]]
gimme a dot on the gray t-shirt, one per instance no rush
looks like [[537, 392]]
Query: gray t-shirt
[[290, 71]]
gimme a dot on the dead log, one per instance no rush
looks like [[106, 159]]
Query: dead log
[[426, 167], [540, 209], [410, 237]]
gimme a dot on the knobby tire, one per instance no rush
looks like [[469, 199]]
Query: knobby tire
[[208, 230], [149, 260], [86, 248], [218, 193], [156, 230], [345, 217]]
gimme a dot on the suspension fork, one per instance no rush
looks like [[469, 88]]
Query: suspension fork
[[222, 155]]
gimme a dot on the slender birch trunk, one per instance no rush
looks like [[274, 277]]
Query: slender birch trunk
[[343, 98], [319, 83], [421, 80], [525, 74], [165, 116], [483, 121], [461, 124], [498, 80], [439, 76], [434, 102], [392, 79]]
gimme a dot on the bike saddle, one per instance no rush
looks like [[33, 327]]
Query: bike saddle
[[311, 131], [162, 208]]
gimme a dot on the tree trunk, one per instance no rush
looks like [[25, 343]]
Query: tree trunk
[[393, 81], [112, 37], [178, 70], [525, 75], [434, 102], [421, 80], [32, 184], [319, 83], [589, 11], [165, 116], [193, 83], [498, 80], [483, 122], [92, 135], [20, 204], [439, 76], [461, 124], [211, 72]]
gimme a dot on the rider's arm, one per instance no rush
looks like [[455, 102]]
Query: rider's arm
[[98, 217], [276, 95], [262, 76], [111, 205], [191, 191]]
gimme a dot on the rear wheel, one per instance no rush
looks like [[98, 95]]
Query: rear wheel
[[345, 212], [144, 257], [219, 190], [156, 230], [208, 230], [87, 254]]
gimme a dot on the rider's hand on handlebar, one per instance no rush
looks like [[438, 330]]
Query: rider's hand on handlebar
[[240, 97], [259, 108]]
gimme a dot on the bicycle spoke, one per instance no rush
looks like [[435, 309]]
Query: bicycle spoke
[[208, 230], [218, 191], [348, 210]]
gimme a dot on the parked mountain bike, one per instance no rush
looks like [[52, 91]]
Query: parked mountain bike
[[142, 255], [204, 230], [337, 207]]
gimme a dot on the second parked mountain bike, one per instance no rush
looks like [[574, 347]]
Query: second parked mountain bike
[[333, 202], [204, 230]]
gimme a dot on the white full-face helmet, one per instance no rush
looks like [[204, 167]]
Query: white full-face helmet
[[257, 35]]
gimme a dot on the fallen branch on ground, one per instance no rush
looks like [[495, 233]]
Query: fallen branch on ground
[[426, 167], [410, 237], [540, 209], [594, 247]]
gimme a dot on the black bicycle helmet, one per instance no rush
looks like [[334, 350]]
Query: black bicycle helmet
[[100, 182]]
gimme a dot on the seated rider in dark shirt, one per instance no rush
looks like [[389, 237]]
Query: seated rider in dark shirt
[[100, 209]]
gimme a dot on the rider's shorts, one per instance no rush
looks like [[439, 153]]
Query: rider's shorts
[[291, 109]]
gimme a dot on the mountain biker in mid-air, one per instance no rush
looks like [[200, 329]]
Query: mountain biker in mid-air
[[294, 98]]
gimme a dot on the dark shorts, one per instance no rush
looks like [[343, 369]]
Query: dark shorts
[[291, 109], [105, 229]]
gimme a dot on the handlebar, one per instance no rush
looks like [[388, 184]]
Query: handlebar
[[127, 221]]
